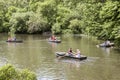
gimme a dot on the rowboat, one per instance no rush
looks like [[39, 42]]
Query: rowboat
[[55, 41], [106, 45], [65, 55], [14, 41]]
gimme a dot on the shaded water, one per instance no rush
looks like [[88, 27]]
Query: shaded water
[[38, 55]]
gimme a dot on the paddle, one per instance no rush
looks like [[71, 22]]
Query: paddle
[[59, 57], [63, 54], [60, 54]]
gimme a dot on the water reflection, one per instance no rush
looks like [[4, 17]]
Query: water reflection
[[3, 61], [11, 44], [107, 50], [72, 62], [53, 44]]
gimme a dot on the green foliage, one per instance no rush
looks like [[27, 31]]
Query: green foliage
[[63, 16], [18, 22], [36, 24], [56, 28], [11, 10], [8, 72], [75, 26], [12, 32], [27, 75], [48, 10], [110, 15], [109, 11], [67, 31]]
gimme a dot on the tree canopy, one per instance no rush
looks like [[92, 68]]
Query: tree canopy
[[100, 18]]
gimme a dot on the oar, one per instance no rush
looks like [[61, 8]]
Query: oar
[[60, 56]]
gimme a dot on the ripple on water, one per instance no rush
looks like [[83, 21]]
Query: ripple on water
[[3, 61]]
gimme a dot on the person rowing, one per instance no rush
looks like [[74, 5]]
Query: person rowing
[[107, 42], [78, 53], [11, 39], [53, 37], [70, 52]]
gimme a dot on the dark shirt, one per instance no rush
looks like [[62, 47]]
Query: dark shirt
[[70, 51]]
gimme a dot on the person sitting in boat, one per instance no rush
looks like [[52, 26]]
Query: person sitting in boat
[[53, 37], [107, 42], [14, 39], [70, 52], [9, 39], [77, 53]]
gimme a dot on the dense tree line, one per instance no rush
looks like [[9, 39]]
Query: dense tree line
[[99, 18]]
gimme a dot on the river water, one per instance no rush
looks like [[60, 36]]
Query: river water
[[38, 55]]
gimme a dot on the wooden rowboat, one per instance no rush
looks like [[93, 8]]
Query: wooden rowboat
[[64, 55], [14, 41], [55, 41], [109, 45]]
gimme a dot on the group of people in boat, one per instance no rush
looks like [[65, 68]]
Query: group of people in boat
[[11, 38], [53, 37], [74, 54], [70, 51], [107, 43]]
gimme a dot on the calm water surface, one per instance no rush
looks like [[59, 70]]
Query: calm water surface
[[38, 55]]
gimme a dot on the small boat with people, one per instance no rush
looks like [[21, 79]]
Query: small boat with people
[[54, 39], [14, 40], [66, 55], [106, 44]]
